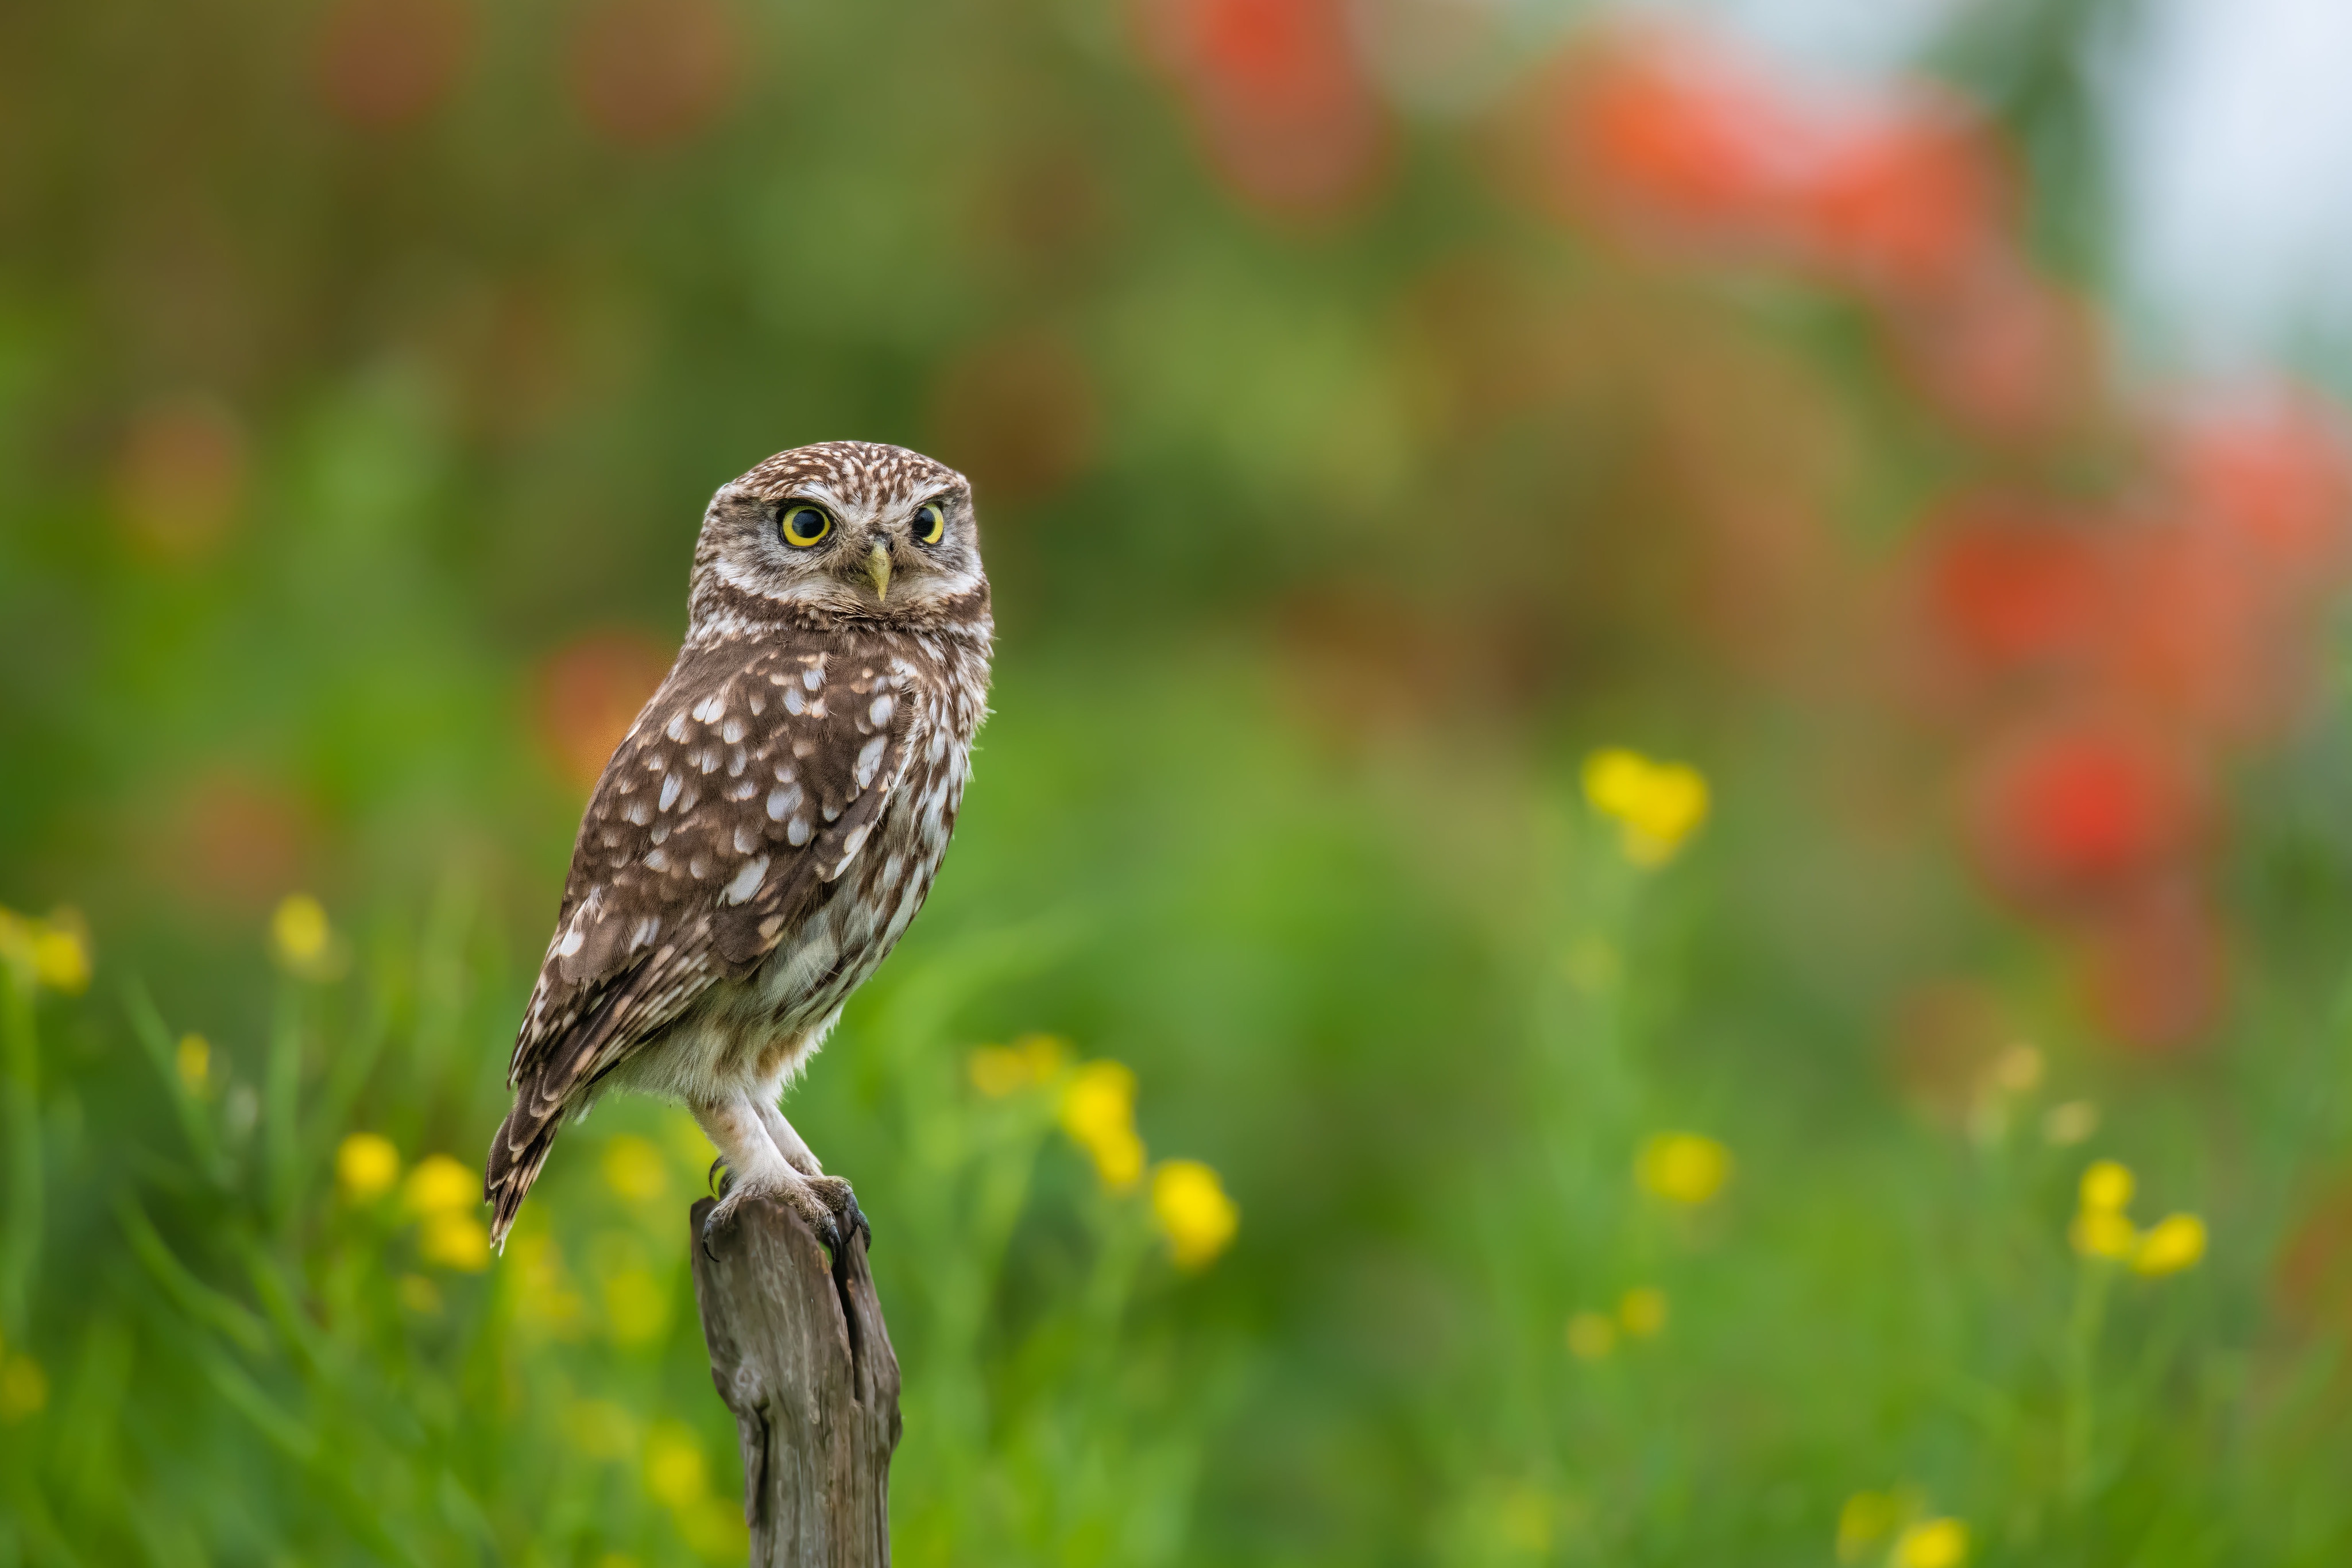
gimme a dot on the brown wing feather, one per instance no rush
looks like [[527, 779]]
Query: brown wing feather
[[749, 783]]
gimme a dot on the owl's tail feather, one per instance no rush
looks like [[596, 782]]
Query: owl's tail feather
[[518, 1152]]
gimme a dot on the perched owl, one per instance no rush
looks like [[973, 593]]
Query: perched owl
[[773, 820]]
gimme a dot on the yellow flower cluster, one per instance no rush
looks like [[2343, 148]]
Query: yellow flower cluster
[[1688, 1168], [1640, 1314], [50, 954], [1656, 805], [1094, 1103], [2102, 1228], [441, 1194], [1869, 1518]]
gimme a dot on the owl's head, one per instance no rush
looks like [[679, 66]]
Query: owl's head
[[847, 529]]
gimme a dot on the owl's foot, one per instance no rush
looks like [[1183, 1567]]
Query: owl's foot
[[824, 1204], [848, 1219]]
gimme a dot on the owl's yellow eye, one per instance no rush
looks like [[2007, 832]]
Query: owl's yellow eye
[[805, 525], [931, 523]]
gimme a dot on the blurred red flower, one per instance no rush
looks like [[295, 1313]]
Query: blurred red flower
[[647, 73], [1902, 192], [1280, 96], [238, 841], [179, 479], [383, 64], [2008, 586], [589, 693], [2077, 807], [2153, 965], [1019, 415]]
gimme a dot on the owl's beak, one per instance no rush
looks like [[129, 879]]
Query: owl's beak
[[878, 567]]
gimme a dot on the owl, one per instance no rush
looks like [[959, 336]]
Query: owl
[[771, 823]]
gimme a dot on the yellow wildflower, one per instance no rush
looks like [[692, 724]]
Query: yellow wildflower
[[2107, 1186], [1193, 1212], [52, 954], [194, 1059], [454, 1240], [1642, 1312], [1867, 1519], [23, 1387], [1656, 805], [2104, 1233], [1682, 1167], [1590, 1336], [1098, 1114], [1931, 1543], [439, 1184], [2173, 1243], [633, 1168], [674, 1472], [1001, 1069], [366, 1164]]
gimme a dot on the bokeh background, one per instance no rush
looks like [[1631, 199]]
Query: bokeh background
[[1661, 876]]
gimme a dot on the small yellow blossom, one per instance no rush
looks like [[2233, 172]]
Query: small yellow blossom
[[1098, 1114], [1642, 1311], [2104, 1233], [299, 932], [1656, 805], [633, 1168], [2070, 1123], [1867, 1519], [2107, 1186], [1034, 1059], [674, 1472], [193, 1060], [454, 1240], [1590, 1336], [1193, 1212], [439, 1184], [1931, 1543], [52, 954], [1682, 1167], [23, 1387], [420, 1295], [366, 1165], [2173, 1243]]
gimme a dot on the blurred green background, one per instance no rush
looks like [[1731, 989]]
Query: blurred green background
[[1605, 695]]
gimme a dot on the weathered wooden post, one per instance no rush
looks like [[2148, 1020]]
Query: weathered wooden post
[[799, 1354]]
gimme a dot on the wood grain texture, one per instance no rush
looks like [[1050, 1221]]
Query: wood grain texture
[[799, 1352]]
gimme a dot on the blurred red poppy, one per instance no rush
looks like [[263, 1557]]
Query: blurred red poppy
[[1018, 413], [589, 693], [2152, 966], [383, 64], [1664, 122], [239, 841], [2277, 478], [647, 73], [2008, 586], [1280, 96], [2077, 807], [1907, 195], [179, 479]]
